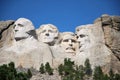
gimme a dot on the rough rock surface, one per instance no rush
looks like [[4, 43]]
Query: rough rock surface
[[6, 33], [26, 52], [46, 76], [100, 42], [92, 45], [111, 28]]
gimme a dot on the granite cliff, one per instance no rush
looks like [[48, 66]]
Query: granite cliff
[[28, 47]]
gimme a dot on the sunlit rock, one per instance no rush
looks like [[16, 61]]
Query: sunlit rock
[[27, 47], [91, 45], [65, 49], [28, 52], [6, 33], [47, 33]]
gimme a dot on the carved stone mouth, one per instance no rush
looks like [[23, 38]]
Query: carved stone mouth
[[19, 38], [70, 48]]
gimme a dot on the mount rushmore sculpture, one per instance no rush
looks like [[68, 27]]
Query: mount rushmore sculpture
[[28, 47]]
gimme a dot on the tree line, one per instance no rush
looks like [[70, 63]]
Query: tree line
[[9, 72], [68, 71]]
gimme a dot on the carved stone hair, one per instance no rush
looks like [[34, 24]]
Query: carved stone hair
[[26, 22], [65, 33], [39, 31]]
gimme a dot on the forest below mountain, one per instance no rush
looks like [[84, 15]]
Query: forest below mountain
[[67, 71]]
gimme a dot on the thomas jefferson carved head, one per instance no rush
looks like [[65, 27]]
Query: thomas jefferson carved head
[[47, 33]]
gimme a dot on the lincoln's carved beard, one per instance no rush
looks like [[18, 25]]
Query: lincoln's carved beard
[[68, 43], [22, 28], [83, 39], [48, 34]]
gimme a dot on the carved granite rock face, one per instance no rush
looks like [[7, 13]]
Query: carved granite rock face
[[68, 42], [6, 40], [23, 27], [84, 37], [91, 39], [111, 28], [47, 33], [6, 33], [99, 42], [26, 51], [65, 49]]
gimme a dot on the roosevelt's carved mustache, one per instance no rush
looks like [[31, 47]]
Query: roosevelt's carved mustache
[[70, 48]]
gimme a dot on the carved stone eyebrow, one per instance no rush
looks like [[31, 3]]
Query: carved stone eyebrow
[[50, 30], [43, 31], [65, 40], [21, 25]]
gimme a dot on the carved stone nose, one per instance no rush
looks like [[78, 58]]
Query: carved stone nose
[[16, 30], [70, 45], [47, 34]]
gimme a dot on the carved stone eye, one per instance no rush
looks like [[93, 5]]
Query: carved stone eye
[[73, 41], [50, 31], [43, 31], [20, 25], [81, 36], [66, 40]]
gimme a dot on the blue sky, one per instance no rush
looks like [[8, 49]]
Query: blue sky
[[65, 14]]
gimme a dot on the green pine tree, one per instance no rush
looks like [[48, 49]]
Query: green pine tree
[[11, 65], [60, 69], [81, 72], [11, 76], [42, 69], [111, 74], [8, 72], [106, 77], [12, 71], [29, 73], [21, 76], [98, 74], [88, 70], [68, 66], [117, 76], [4, 72], [48, 69]]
